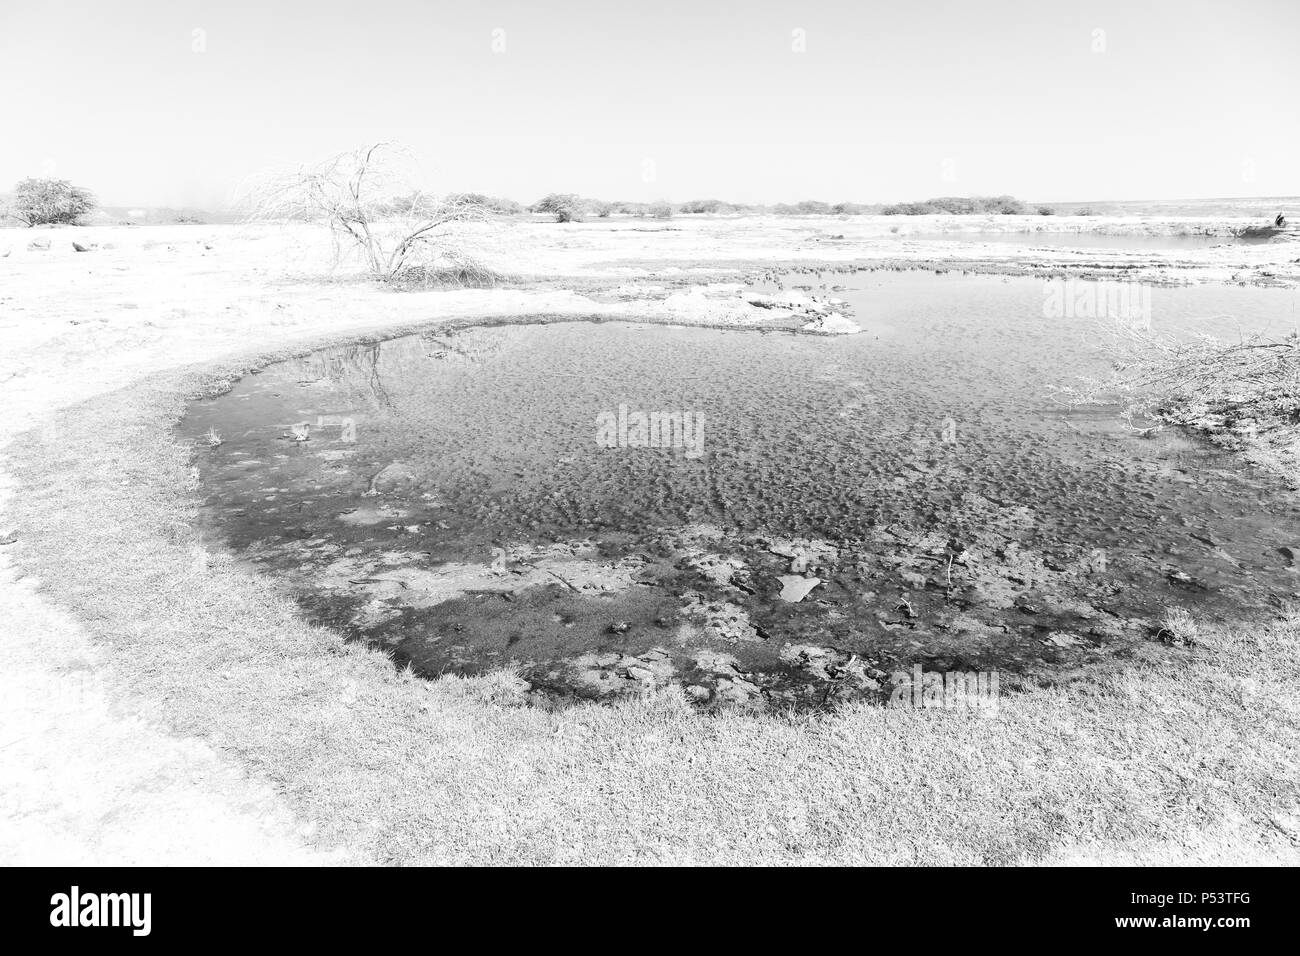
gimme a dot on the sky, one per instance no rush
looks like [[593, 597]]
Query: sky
[[179, 102]]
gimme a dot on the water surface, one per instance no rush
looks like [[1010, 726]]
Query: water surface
[[1087, 240], [455, 502]]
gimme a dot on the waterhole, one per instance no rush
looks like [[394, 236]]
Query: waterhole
[[800, 517]]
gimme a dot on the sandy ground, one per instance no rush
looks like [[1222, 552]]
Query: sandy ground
[[88, 774]]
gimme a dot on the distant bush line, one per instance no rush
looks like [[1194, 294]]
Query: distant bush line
[[567, 207], [48, 201], [961, 206]]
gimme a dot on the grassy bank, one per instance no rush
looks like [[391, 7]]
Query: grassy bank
[[1189, 754]]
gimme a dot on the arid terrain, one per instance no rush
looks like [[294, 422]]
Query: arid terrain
[[144, 721]]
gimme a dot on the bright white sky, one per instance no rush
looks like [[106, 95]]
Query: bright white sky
[[888, 101]]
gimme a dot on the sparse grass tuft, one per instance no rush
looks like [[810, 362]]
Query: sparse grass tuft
[[1178, 627], [450, 271]]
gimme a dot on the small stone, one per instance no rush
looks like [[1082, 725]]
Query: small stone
[[1062, 639], [619, 627], [1182, 579], [395, 477], [698, 691], [641, 674], [38, 245], [795, 587], [737, 690]]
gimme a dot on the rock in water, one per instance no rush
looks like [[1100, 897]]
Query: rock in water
[[795, 587], [395, 477], [833, 324]]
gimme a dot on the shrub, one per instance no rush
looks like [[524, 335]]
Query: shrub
[[472, 199], [697, 206], [1046, 211], [805, 207], [625, 208], [452, 269], [565, 207], [40, 202], [1001, 205], [953, 205], [661, 210], [959, 206], [910, 209], [488, 204]]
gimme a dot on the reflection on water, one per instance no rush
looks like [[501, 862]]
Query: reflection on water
[[457, 502]]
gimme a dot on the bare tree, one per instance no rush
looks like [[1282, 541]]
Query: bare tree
[[368, 199]]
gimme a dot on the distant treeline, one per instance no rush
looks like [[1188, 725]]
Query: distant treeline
[[961, 206], [566, 207], [569, 206]]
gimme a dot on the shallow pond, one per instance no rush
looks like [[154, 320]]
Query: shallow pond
[[1087, 240], [821, 513]]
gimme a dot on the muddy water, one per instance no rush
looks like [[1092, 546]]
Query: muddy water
[[839, 509]]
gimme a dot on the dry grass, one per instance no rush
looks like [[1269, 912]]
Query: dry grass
[[1242, 395], [1187, 750], [449, 271], [1198, 381], [1178, 627]]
